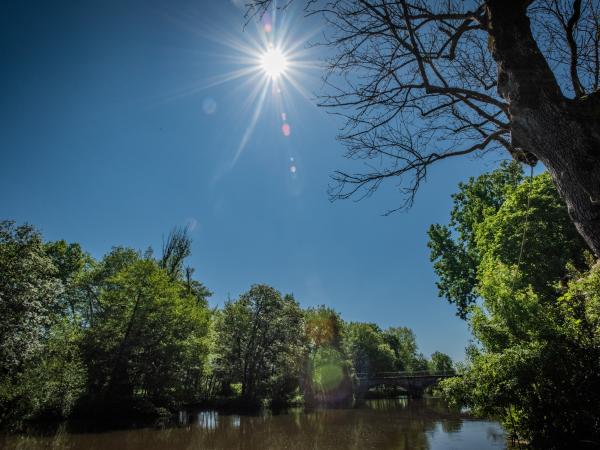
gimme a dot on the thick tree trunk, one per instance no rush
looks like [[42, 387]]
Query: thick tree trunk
[[562, 133]]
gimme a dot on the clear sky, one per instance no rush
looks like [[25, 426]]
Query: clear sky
[[122, 119]]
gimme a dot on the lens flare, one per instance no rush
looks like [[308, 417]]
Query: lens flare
[[209, 106], [273, 62]]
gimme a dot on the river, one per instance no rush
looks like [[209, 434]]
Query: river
[[399, 424]]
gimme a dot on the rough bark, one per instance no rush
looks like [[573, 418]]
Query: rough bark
[[562, 133]]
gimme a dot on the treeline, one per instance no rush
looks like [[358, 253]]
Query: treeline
[[514, 265], [133, 332]]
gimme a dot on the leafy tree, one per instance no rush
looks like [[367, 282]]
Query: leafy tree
[[42, 370], [54, 381], [260, 344], [551, 241], [147, 336], [403, 343], [323, 327], [327, 378], [420, 363], [539, 362], [423, 81], [537, 355], [28, 292], [28, 295], [453, 246], [440, 362], [369, 351], [488, 220], [96, 279], [72, 264]]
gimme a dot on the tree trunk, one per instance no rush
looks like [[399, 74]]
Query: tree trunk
[[562, 133], [117, 368]]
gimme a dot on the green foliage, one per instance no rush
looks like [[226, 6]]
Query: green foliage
[[118, 330], [539, 365], [95, 279], [440, 362], [537, 361], [131, 333], [369, 351], [551, 242], [28, 293], [147, 337], [72, 265], [374, 350], [260, 344], [53, 383], [453, 247], [487, 221], [327, 379], [403, 343], [323, 328], [50, 382], [328, 369]]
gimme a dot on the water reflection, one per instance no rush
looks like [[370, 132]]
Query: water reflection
[[208, 420], [398, 424]]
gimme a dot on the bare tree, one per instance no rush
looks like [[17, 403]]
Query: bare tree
[[420, 81], [175, 250]]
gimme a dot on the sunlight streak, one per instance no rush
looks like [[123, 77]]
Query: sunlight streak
[[265, 68], [250, 127]]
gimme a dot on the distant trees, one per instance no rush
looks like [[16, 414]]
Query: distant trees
[[440, 362], [367, 348], [71, 264], [327, 377], [260, 344], [53, 383], [29, 292], [403, 343], [374, 350], [148, 340], [132, 333], [79, 333]]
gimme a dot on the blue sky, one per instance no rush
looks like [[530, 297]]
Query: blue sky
[[113, 131]]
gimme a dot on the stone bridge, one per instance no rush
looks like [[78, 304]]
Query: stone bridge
[[414, 383]]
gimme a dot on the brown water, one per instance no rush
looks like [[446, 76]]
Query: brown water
[[399, 424]]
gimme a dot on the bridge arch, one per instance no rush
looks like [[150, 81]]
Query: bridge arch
[[414, 383]]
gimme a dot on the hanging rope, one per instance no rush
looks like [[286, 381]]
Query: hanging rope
[[512, 289], [526, 216]]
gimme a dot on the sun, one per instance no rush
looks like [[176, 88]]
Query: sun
[[273, 62], [271, 65]]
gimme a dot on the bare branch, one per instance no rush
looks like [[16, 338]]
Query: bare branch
[[415, 82], [573, 47]]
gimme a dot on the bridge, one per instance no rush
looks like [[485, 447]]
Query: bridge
[[414, 383]]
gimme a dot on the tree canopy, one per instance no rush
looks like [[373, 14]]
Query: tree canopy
[[131, 334], [536, 354], [502, 217], [260, 343]]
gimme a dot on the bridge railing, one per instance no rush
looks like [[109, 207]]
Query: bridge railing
[[406, 374]]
